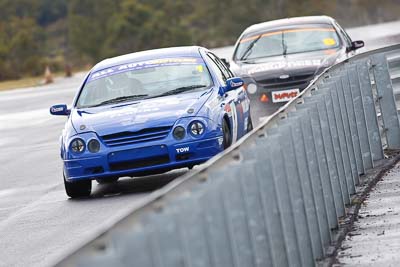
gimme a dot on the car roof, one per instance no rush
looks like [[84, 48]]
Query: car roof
[[183, 51], [282, 23]]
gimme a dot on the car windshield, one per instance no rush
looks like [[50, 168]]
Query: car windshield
[[287, 41], [146, 79]]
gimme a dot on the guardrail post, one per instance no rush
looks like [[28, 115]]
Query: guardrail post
[[353, 125], [296, 196], [318, 111], [365, 145], [337, 140], [305, 185], [236, 218], [321, 205], [194, 243], [270, 202], [284, 201], [386, 100], [322, 163], [343, 144], [249, 184], [216, 229], [128, 247], [164, 241], [346, 126], [369, 109]]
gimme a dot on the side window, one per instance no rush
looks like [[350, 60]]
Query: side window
[[221, 75], [344, 35], [228, 71], [348, 40], [228, 74]]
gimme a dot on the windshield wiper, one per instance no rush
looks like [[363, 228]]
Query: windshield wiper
[[249, 48], [119, 99], [182, 89], [284, 45]]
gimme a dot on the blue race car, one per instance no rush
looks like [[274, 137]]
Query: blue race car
[[150, 112]]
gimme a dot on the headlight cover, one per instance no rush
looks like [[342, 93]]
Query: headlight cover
[[179, 132], [196, 128], [251, 88], [94, 146], [77, 145]]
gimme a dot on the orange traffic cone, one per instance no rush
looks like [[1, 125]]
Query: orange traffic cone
[[48, 76]]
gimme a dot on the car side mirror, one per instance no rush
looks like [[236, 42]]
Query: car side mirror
[[357, 44], [60, 110], [232, 84], [226, 62]]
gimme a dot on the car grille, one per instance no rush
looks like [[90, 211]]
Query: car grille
[[134, 164], [144, 135], [292, 81]]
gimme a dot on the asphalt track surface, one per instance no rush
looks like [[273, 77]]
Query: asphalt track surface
[[38, 223]]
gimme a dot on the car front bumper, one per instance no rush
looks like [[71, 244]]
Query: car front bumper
[[154, 157]]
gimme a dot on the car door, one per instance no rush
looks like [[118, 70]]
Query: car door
[[242, 106], [231, 98]]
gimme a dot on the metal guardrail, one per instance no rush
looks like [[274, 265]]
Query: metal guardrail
[[274, 197], [394, 66], [393, 59]]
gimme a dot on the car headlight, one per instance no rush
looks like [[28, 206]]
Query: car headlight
[[77, 145], [94, 146], [179, 132], [196, 128], [251, 88]]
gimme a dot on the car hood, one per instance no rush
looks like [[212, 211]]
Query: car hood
[[308, 63], [155, 112]]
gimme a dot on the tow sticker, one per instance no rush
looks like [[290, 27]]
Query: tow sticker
[[182, 149]]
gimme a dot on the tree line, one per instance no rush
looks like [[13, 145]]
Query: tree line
[[36, 33]]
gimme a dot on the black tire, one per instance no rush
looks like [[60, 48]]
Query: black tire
[[227, 135], [249, 124], [107, 180], [78, 189]]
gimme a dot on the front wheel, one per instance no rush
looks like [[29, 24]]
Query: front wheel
[[78, 189]]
